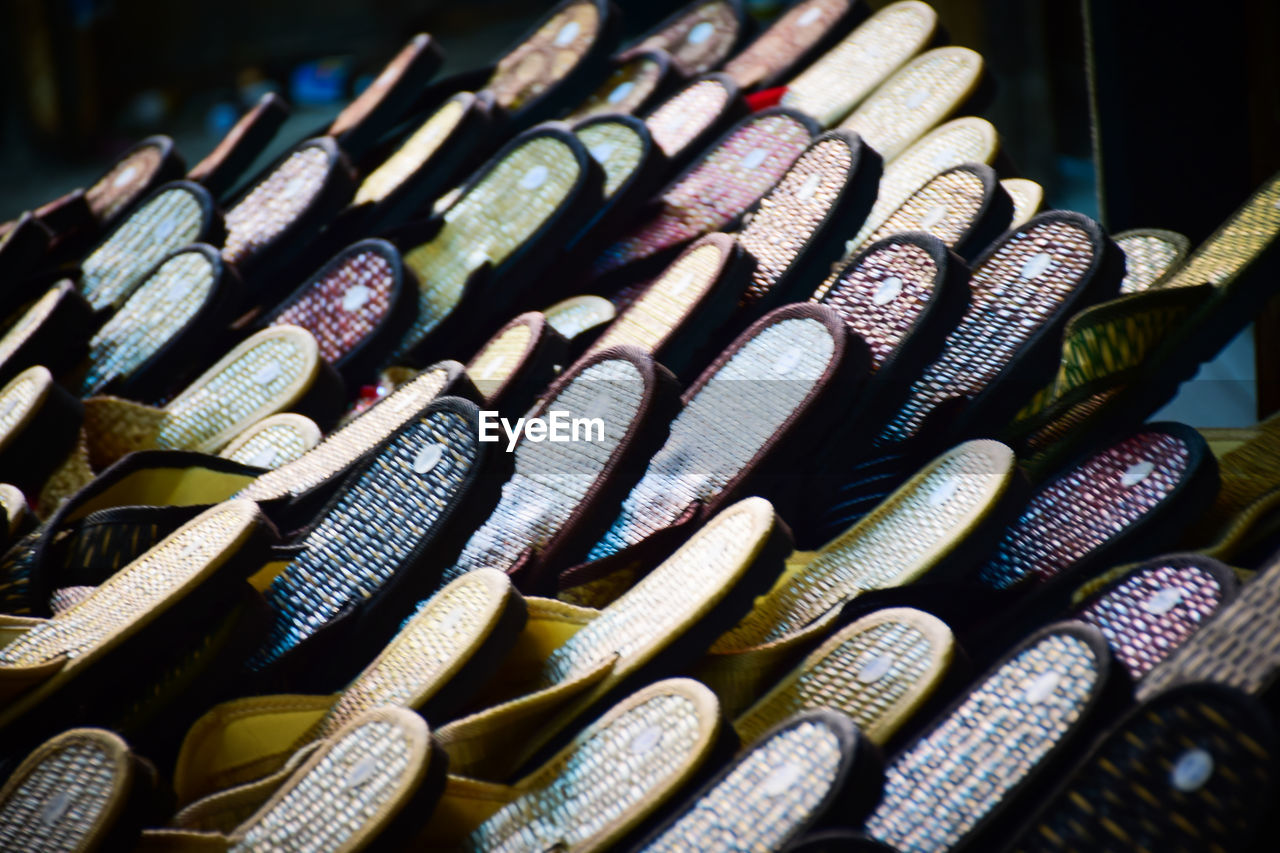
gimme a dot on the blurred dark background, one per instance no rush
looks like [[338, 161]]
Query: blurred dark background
[[1140, 114]]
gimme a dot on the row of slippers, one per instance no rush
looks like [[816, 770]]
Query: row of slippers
[[1163, 471], [824, 190], [339, 770]]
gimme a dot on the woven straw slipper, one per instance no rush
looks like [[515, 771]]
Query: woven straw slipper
[[798, 37], [880, 671], [273, 441], [1150, 256], [38, 425], [965, 207], [1147, 611], [1027, 196], [176, 314], [518, 363], [918, 96], [1191, 769], [601, 789], [1242, 524], [562, 493], [691, 300], [632, 165], [826, 193], [573, 660], [222, 168], [439, 656], [634, 86], [579, 318], [962, 140], [369, 784], [116, 637], [1035, 277], [112, 521], [833, 85], [512, 219], [175, 215], [309, 478], [274, 370], [426, 162], [417, 497], [17, 514], [747, 409], [51, 332], [970, 770], [699, 36], [557, 63], [357, 307], [1237, 646], [1126, 499], [80, 791], [812, 768], [689, 120], [389, 98], [930, 527], [133, 176], [711, 194]]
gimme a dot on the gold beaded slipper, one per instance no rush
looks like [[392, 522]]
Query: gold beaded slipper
[[573, 660], [967, 139], [975, 766], [513, 217], [562, 493], [934, 526], [80, 791], [763, 397], [811, 769], [555, 64], [918, 96], [273, 441], [175, 316], [115, 638], [518, 363], [699, 36], [276, 369], [175, 215], [426, 162], [50, 332], [634, 86], [838, 81], [602, 789], [966, 207], [370, 783], [1193, 768], [378, 546], [880, 671], [439, 657], [39, 423]]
